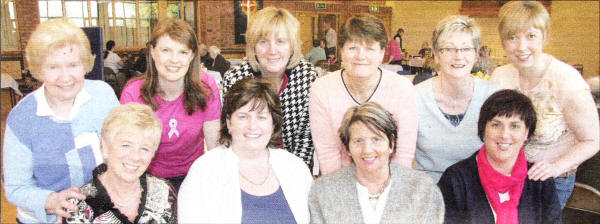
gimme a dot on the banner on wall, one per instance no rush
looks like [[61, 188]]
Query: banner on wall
[[243, 9]]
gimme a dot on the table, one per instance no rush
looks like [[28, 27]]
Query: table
[[390, 67], [9, 83], [235, 61]]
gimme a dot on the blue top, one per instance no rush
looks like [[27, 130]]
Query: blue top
[[45, 154], [266, 209]]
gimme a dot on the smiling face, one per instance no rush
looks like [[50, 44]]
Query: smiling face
[[128, 154], [250, 129], [362, 58], [370, 151], [452, 63], [171, 59], [63, 74], [504, 137], [524, 49], [273, 54]]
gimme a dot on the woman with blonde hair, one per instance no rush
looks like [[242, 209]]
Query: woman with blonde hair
[[362, 42], [185, 99], [52, 136], [449, 103], [274, 52], [568, 131], [121, 190]]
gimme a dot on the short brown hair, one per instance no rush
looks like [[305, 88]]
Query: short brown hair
[[518, 16], [269, 21], [195, 92], [257, 91], [53, 35], [363, 27], [375, 117]]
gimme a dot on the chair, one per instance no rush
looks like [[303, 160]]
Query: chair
[[585, 198], [111, 78]]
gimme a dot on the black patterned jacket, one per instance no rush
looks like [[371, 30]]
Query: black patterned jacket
[[294, 105]]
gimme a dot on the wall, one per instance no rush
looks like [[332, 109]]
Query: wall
[[573, 38]]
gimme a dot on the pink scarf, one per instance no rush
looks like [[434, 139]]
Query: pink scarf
[[496, 184]]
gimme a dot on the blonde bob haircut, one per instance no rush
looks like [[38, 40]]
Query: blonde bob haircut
[[51, 36], [455, 23], [136, 115], [272, 21], [518, 16]]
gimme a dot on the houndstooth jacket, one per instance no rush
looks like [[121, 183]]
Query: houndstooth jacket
[[294, 105]]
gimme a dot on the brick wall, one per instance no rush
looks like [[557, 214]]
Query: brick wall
[[28, 17]]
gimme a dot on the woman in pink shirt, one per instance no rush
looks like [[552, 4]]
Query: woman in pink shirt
[[186, 100], [363, 40]]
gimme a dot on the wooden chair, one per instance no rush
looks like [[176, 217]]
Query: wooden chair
[[585, 198]]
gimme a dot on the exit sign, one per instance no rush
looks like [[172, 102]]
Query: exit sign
[[320, 5], [374, 8]]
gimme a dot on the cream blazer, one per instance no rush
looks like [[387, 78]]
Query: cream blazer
[[211, 191]]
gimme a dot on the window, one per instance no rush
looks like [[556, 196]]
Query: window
[[79, 13], [128, 22], [51, 9], [10, 35]]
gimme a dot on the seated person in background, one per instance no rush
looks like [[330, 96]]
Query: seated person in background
[[112, 59], [219, 64], [121, 190], [484, 63], [248, 179], [140, 63], [425, 50], [373, 190], [317, 53], [492, 186], [204, 56]]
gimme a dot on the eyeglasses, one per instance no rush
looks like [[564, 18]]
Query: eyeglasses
[[454, 51]]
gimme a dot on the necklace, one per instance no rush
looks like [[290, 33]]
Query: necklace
[[378, 194], [128, 202], [260, 183], [264, 180]]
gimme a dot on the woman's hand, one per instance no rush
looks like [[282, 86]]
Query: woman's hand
[[542, 170], [58, 202]]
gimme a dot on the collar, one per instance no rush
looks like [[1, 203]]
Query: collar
[[44, 110]]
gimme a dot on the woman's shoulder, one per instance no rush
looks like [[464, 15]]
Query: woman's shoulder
[[96, 86], [424, 87], [485, 87], [328, 82], [286, 158], [506, 76], [303, 72], [399, 81], [565, 76], [409, 175], [340, 176]]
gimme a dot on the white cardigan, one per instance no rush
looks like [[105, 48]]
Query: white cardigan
[[211, 191]]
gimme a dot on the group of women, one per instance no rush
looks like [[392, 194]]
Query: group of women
[[173, 153]]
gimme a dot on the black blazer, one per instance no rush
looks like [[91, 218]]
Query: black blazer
[[466, 202]]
